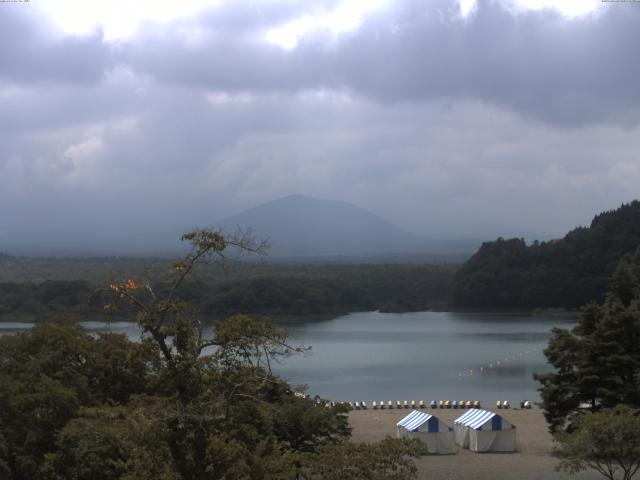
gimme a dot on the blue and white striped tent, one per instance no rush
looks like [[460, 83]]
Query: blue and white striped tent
[[436, 435], [484, 431]]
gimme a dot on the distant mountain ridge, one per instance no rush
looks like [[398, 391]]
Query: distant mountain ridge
[[301, 229], [568, 272], [300, 225]]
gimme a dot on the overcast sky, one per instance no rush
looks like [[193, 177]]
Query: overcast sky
[[449, 118]]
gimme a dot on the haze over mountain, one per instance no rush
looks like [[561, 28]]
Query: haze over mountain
[[298, 225]]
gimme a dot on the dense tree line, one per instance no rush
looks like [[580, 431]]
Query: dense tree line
[[285, 291], [591, 399], [387, 288], [597, 363], [31, 301], [569, 272]]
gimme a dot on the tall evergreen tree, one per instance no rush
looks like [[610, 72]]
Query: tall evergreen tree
[[598, 361]]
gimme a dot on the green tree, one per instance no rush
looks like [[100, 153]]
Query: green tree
[[5, 472], [48, 374], [568, 272], [390, 459], [606, 441], [598, 361], [178, 405], [223, 413]]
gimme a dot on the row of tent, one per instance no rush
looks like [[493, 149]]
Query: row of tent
[[477, 430]]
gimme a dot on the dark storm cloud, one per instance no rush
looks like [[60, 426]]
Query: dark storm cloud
[[30, 51], [539, 63]]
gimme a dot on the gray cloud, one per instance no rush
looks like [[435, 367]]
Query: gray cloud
[[498, 124], [32, 52], [539, 63]]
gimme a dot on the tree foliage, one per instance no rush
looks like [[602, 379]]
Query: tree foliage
[[569, 272], [606, 441], [48, 374], [275, 290], [390, 459], [598, 361], [182, 404]]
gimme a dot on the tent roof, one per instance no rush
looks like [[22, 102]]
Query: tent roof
[[414, 420], [475, 418]]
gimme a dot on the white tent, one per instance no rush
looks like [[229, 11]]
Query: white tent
[[483, 431], [437, 436]]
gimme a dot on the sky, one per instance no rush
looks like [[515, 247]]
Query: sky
[[450, 118]]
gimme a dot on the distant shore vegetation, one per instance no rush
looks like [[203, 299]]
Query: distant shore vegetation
[[568, 272], [506, 274], [282, 291]]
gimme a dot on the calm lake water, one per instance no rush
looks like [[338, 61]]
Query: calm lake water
[[425, 355]]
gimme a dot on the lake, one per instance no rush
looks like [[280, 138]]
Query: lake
[[424, 355]]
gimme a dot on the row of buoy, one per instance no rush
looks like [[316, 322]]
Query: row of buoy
[[495, 364]]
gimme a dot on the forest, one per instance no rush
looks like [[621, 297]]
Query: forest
[[33, 289], [567, 272], [503, 274]]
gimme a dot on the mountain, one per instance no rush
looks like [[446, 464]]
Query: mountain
[[567, 272], [298, 225], [299, 228]]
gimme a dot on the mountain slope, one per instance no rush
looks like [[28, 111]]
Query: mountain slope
[[569, 272], [299, 225]]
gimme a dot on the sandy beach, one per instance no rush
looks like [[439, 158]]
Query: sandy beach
[[533, 460]]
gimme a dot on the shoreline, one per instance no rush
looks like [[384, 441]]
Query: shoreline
[[533, 460], [294, 319]]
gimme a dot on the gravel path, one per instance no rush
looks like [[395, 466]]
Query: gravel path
[[533, 460]]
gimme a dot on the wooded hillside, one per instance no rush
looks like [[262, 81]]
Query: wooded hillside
[[568, 272]]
